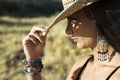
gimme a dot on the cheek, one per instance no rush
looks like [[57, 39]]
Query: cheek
[[90, 42]]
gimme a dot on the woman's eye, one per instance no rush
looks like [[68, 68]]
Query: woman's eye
[[80, 23], [74, 21]]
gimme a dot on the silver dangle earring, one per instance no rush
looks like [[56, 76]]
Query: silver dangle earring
[[103, 54]]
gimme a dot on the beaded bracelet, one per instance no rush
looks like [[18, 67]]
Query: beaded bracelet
[[32, 67], [31, 71], [30, 62]]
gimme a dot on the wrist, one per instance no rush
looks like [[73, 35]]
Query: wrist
[[32, 67], [32, 58], [36, 77]]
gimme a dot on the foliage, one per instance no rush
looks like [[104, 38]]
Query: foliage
[[60, 53]]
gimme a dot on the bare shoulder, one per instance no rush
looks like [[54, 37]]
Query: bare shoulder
[[81, 61], [116, 75], [78, 64]]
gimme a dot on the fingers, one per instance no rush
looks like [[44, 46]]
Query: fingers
[[42, 31], [34, 39], [36, 35]]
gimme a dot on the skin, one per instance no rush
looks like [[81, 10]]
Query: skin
[[83, 32]]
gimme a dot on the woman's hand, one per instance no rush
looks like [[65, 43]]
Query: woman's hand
[[34, 42]]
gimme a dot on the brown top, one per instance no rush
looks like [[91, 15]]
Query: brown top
[[77, 73]]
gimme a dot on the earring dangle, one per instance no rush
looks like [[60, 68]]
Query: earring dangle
[[103, 54]]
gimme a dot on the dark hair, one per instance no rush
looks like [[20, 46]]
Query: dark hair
[[106, 13]]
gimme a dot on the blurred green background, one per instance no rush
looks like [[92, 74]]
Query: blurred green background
[[17, 17]]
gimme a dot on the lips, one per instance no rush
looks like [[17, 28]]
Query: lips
[[74, 39]]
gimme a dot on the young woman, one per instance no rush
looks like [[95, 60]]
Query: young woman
[[94, 25]]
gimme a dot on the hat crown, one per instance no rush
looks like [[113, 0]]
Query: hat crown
[[70, 7], [67, 3]]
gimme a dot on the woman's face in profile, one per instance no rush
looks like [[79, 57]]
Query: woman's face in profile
[[82, 29]]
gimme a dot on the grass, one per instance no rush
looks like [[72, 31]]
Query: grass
[[60, 53]]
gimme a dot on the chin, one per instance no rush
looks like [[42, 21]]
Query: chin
[[81, 46]]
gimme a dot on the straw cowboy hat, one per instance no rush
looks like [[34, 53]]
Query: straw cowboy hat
[[70, 7]]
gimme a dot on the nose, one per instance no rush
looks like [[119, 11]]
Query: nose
[[69, 29]]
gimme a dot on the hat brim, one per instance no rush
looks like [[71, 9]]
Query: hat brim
[[74, 7]]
